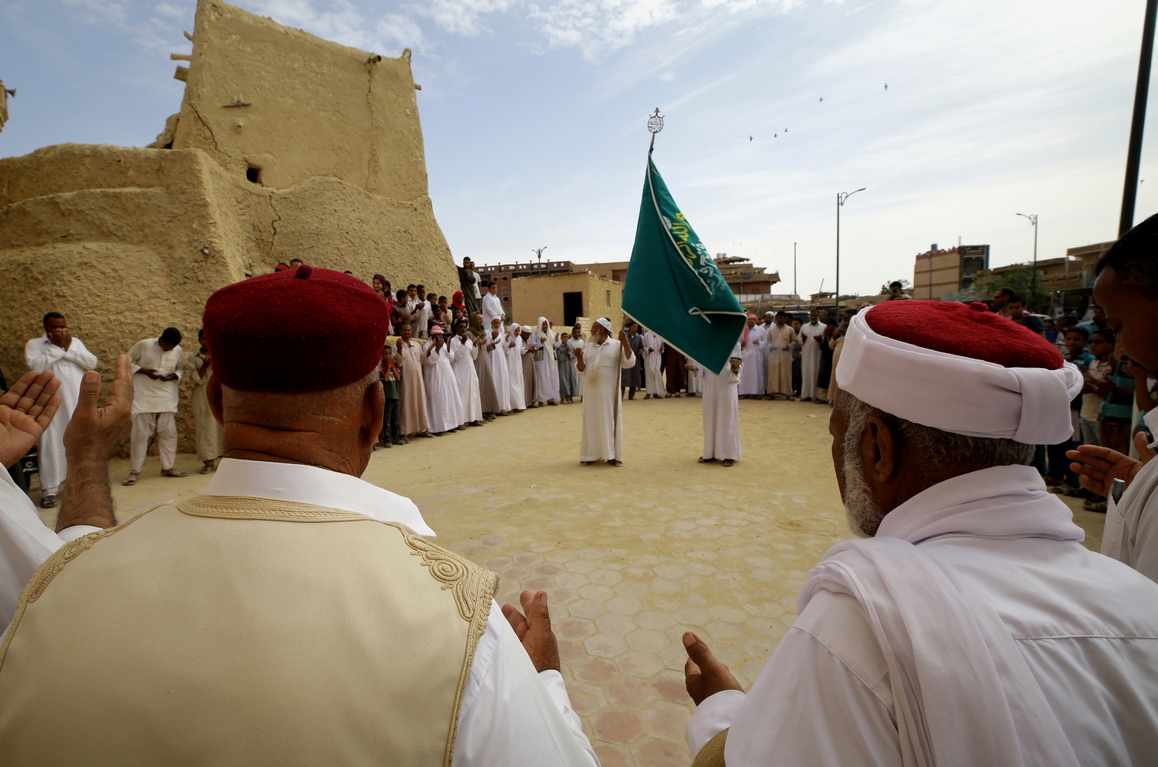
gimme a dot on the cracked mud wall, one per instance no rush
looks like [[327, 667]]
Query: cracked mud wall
[[127, 241]]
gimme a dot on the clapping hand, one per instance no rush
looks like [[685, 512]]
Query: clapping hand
[[93, 431], [25, 411], [1098, 467], [534, 630], [705, 676]]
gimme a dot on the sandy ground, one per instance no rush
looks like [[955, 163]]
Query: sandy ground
[[632, 556]]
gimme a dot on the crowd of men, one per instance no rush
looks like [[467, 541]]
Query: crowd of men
[[294, 614]]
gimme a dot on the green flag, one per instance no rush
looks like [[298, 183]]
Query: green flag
[[673, 286]]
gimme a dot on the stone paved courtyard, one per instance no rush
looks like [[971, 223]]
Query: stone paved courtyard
[[630, 557]]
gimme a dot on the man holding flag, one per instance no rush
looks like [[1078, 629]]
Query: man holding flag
[[600, 362]]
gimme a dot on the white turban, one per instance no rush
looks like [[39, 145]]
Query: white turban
[[955, 393]]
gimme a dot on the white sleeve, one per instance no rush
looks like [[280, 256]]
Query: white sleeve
[[821, 699], [512, 716], [39, 355], [24, 544], [79, 353]]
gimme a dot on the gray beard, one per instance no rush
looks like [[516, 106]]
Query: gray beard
[[863, 515]]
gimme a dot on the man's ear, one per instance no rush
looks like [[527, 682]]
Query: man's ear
[[879, 451], [373, 407], [213, 394]]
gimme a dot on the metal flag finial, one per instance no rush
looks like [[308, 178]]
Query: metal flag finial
[[655, 125]]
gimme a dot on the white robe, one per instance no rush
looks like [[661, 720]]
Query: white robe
[[151, 395], [492, 306], [752, 373], [500, 375], [69, 368], [462, 356], [547, 368], [779, 342], [810, 359], [952, 576], [602, 438], [722, 414], [513, 349], [1131, 534], [443, 401], [652, 357]]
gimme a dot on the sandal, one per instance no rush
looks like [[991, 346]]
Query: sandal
[[173, 473], [705, 460], [586, 463], [48, 502], [131, 479], [615, 462], [727, 462]]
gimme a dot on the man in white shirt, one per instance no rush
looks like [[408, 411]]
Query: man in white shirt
[[969, 626], [299, 605], [158, 365], [1127, 291], [25, 411], [68, 359], [492, 306], [420, 315]]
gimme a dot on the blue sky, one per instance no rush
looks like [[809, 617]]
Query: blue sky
[[534, 116]]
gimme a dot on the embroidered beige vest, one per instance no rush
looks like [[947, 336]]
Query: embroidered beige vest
[[236, 631]]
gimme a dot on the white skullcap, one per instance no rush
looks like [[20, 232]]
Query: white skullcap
[[952, 392], [604, 323]]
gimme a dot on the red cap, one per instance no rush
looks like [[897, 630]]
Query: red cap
[[966, 331], [301, 330]]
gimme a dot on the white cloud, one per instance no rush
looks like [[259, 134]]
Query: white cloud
[[462, 17]]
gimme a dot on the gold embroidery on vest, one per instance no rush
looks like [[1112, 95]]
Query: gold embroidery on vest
[[51, 568], [231, 507], [473, 588]]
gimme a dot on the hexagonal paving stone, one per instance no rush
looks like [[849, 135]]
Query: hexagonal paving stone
[[666, 720], [587, 608], [647, 640], [593, 670], [628, 692], [586, 699], [616, 726], [571, 579], [624, 605], [613, 756], [528, 558], [643, 665], [605, 577], [574, 628], [654, 620], [656, 752], [596, 592], [605, 645], [669, 686]]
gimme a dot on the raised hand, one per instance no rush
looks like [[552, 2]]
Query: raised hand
[[93, 430], [705, 676], [1098, 467], [25, 411], [534, 630]]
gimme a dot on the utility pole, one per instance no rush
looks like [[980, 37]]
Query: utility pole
[[1134, 154]]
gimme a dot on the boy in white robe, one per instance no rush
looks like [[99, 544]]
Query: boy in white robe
[[462, 356], [443, 401], [811, 337], [722, 413], [600, 362], [652, 357]]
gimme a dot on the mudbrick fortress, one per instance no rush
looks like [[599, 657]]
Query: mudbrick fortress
[[286, 146]]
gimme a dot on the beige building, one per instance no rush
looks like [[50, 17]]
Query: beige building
[[286, 146], [567, 298], [748, 282], [942, 274]]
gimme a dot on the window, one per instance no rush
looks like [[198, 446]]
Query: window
[[253, 174], [609, 298]]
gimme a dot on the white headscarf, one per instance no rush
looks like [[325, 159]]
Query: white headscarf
[[954, 393], [544, 337]]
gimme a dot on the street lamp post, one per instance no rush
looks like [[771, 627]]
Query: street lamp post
[[1033, 284], [840, 200]]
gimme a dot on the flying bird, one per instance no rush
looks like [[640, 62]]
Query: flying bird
[[785, 130], [749, 138], [886, 86], [775, 135], [822, 98]]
